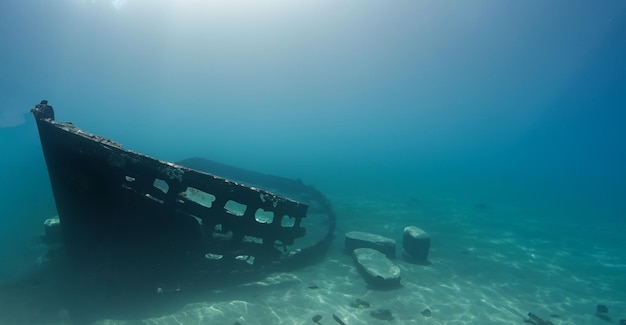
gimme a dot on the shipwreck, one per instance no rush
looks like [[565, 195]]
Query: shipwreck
[[130, 216]]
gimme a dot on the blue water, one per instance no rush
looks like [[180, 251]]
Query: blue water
[[514, 105]]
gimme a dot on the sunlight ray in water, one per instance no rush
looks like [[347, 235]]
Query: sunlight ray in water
[[480, 146]]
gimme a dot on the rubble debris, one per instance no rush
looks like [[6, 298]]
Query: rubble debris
[[416, 244], [382, 314], [538, 320], [358, 239], [338, 320], [377, 270], [360, 303]]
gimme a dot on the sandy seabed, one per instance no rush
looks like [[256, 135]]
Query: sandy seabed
[[488, 265]]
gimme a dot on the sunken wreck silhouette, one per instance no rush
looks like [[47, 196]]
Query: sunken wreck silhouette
[[137, 219]]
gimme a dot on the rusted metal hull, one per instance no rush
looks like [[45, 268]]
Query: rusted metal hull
[[125, 212]]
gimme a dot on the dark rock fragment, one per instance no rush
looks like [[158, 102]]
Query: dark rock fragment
[[338, 320], [426, 312], [382, 314], [416, 244], [358, 239], [534, 319], [602, 311], [377, 270], [316, 318], [362, 303]]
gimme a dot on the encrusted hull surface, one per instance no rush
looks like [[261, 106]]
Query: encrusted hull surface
[[127, 213]]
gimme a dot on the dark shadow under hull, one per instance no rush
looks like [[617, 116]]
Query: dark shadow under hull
[[130, 223]]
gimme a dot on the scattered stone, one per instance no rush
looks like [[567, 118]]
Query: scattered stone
[[416, 244], [602, 312], [382, 314], [377, 270], [338, 320], [360, 303], [602, 309], [313, 287], [426, 312], [358, 239], [534, 319], [317, 318]]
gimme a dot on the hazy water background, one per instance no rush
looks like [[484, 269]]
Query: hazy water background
[[505, 103]]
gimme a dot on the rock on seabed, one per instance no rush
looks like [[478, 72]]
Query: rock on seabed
[[358, 239], [376, 268]]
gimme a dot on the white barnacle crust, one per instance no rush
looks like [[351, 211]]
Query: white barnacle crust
[[173, 172], [266, 197]]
